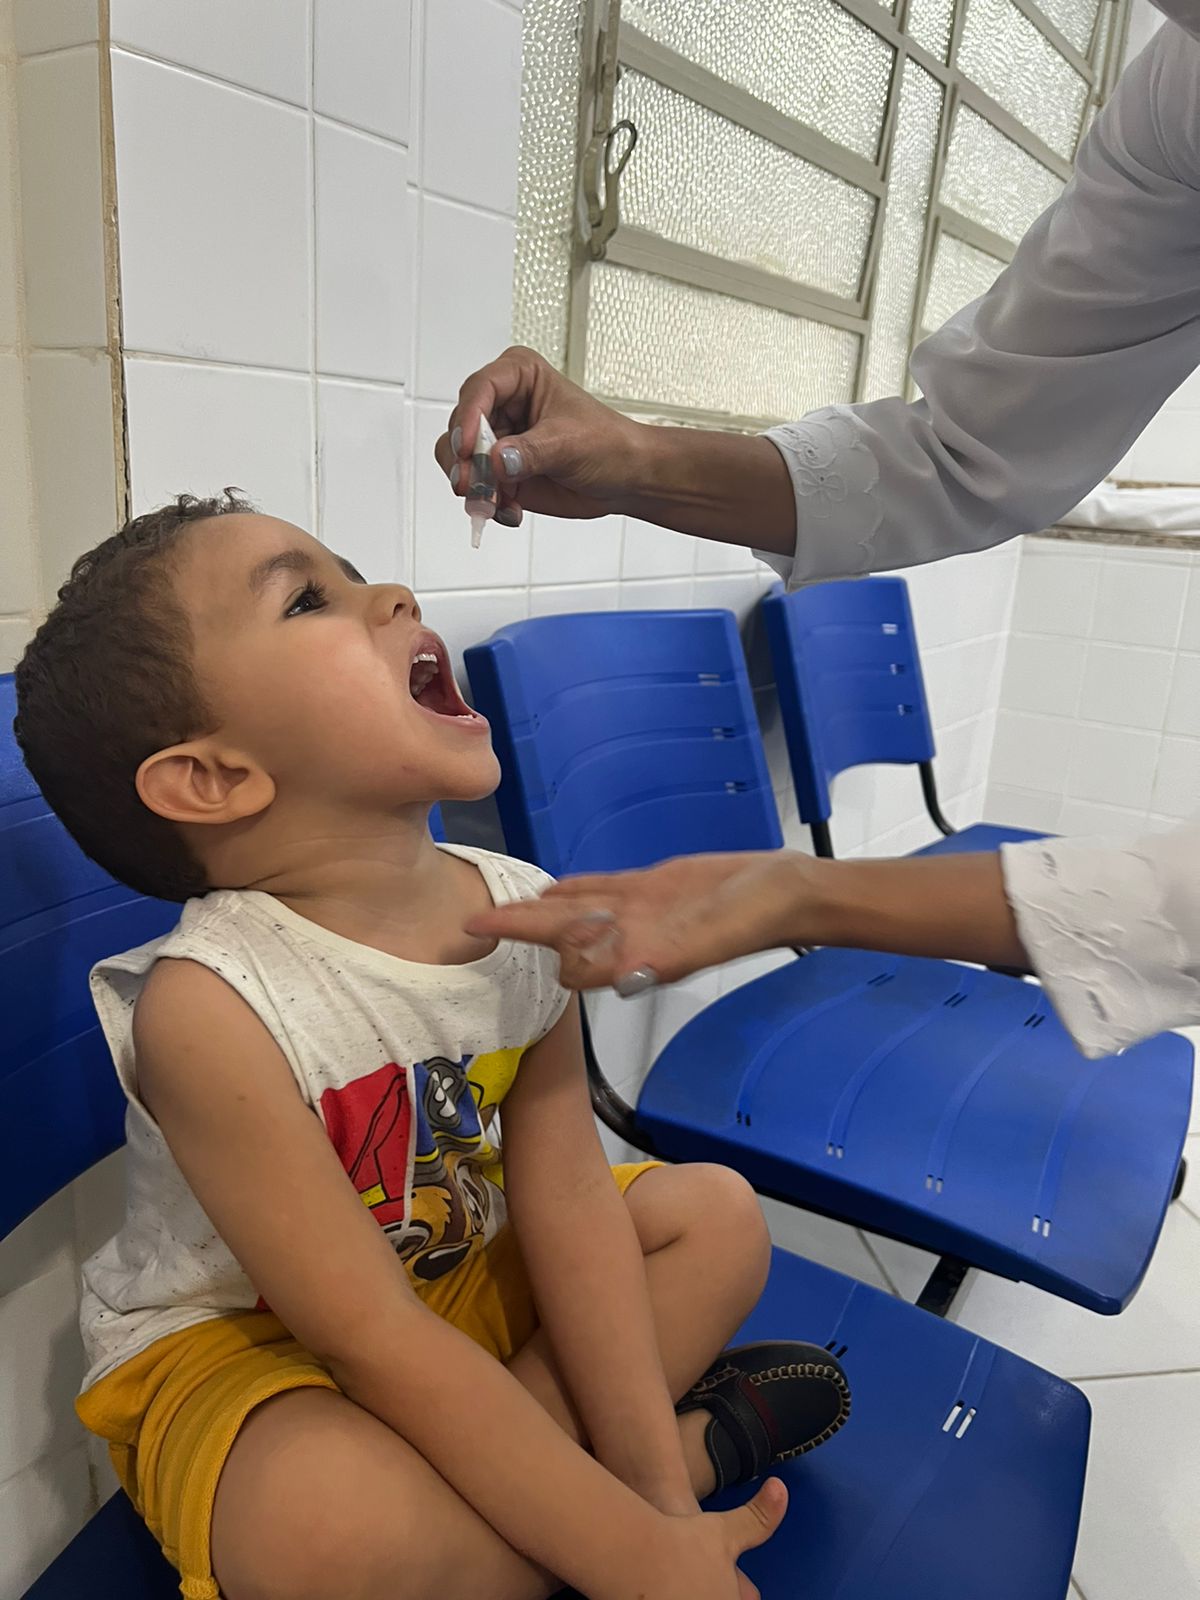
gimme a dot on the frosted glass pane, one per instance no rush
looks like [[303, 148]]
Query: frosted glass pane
[[807, 58], [929, 24], [700, 180], [993, 181], [1074, 19], [960, 274], [664, 343], [1014, 62], [903, 233], [546, 176]]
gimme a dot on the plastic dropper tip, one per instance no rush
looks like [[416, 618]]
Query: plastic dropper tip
[[477, 521]]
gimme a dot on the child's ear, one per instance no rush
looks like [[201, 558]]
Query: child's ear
[[197, 782]]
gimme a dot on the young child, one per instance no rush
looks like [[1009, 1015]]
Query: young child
[[338, 1350]]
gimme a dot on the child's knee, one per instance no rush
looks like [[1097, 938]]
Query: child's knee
[[731, 1221]]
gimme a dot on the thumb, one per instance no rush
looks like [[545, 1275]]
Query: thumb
[[544, 451], [754, 1523]]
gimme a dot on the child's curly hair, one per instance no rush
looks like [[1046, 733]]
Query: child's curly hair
[[105, 682]]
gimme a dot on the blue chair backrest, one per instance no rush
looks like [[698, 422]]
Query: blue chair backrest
[[624, 738], [61, 1108], [849, 679], [436, 827]]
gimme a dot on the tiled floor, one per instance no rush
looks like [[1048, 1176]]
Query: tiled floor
[[1140, 1535]]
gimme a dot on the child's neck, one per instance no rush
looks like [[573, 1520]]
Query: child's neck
[[395, 891]]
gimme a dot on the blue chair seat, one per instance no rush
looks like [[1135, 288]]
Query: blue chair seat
[[938, 1103], [979, 838], [904, 1504]]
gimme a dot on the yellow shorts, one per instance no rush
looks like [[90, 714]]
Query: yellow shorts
[[170, 1414]]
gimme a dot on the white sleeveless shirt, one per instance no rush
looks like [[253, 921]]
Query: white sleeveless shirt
[[404, 1063]]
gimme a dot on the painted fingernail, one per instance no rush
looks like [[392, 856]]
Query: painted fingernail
[[636, 982], [455, 474], [510, 460], [509, 516], [456, 441]]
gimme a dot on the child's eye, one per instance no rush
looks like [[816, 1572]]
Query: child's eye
[[311, 598]]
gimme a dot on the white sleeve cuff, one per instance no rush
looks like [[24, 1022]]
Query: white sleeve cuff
[[1096, 920]]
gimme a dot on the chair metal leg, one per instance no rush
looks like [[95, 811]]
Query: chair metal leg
[[945, 1281]]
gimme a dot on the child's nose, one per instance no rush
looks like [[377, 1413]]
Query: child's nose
[[395, 600]]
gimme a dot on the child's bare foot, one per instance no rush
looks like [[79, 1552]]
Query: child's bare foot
[[761, 1404]]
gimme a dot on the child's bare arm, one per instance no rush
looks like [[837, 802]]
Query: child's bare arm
[[262, 1167], [586, 1266]]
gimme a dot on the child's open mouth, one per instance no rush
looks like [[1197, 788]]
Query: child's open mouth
[[432, 685]]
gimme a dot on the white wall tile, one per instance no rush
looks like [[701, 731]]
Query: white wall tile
[[654, 552], [363, 484], [54, 24], [963, 680], [1022, 808], [1177, 781], [41, 1511], [15, 634], [1139, 602], [471, 616], [1056, 592], [262, 45], [442, 530], [61, 209], [465, 312], [201, 429], [656, 594], [9, 318], [1114, 766], [40, 1244], [1043, 674], [42, 1368], [472, 102], [712, 556], [1111, 822], [1189, 631], [556, 599], [364, 256], [1031, 752], [361, 67], [18, 582], [214, 203], [727, 592], [1126, 686], [71, 419], [1183, 713], [575, 550]]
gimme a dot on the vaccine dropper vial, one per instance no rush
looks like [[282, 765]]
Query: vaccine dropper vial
[[481, 486]]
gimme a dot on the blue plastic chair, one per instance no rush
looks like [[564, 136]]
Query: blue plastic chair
[[938, 1104], [959, 1457], [852, 693]]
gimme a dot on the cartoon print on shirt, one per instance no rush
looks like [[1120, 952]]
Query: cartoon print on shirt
[[414, 1145]]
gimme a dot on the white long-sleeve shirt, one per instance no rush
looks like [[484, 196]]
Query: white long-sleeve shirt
[[1030, 395]]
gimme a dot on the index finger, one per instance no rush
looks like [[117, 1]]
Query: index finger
[[500, 390], [532, 921]]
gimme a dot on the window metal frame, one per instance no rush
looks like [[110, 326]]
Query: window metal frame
[[610, 42]]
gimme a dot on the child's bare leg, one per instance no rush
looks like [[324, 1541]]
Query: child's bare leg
[[319, 1500], [706, 1251]]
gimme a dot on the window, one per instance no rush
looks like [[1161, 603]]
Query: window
[[733, 211]]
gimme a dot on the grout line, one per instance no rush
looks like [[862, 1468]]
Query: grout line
[[298, 106], [870, 1249], [471, 206], [326, 117], [1119, 1377]]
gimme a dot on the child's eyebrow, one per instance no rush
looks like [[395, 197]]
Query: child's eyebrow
[[294, 561]]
